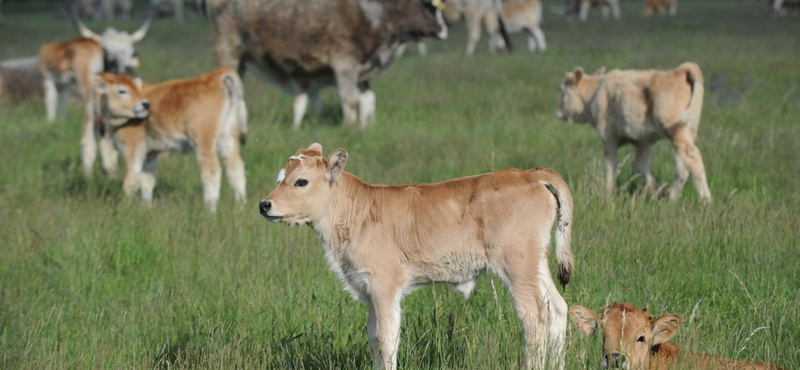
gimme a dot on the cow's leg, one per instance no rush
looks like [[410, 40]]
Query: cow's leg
[[673, 8], [347, 83], [681, 175], [610, 159], [614, 8], [366, 104], [539, 35], [683, 142], [422, 49], [473, 31], [109, 155], [584, 11], [316, 102], [384, 325], [299, 109], [88, 140], [147, 179], [556, 317], [50, 97], [643, 153], [523, 279], [605, 11], [135, 154], [234, 165], [210, 173], [496, 41]]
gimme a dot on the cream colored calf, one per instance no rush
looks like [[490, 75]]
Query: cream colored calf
[[385, 241], [205, 114], [527, 16], [633, 340], [640, 108]]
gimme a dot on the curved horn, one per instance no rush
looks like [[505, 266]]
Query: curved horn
[[84, 31], [142, 31]]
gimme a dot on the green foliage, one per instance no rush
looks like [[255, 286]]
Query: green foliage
[[90, 279]]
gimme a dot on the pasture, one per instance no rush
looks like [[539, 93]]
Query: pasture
[[91, 279]]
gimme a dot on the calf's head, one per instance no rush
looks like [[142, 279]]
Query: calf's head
[[630, 335], [119, 55], [576, 90], [302, 191], [120, 98]]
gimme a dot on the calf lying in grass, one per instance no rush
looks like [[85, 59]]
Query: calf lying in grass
[[633, 340]]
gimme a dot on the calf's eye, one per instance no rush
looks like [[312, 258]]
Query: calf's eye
[[301, 183], [641, 339]]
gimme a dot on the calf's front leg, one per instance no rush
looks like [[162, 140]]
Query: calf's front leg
[[610, 159], [384, 327]]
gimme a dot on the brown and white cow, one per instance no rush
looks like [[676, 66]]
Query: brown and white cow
[[662, 6], [527, 16], [581, 8], [640, 107], [304, 46], [632, 340], [384, 241], [64, 64], [205, 114]]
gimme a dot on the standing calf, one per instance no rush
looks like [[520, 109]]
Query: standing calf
[[526, 15], [640, 108], [633, 340], [384, 241], [63, 64], [206, 114]]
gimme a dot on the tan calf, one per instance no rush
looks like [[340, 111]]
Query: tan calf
[[384, 241], [632, 340], [662, 6], [640, 108], [64, 64], [527, 16], [206, 114]]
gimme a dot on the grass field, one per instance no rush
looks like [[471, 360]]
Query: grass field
[[90, 279]]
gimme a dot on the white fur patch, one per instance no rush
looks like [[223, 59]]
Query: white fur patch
[[281, 176], [298, 157]]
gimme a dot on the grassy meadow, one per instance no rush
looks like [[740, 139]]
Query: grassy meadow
[[90, 279]]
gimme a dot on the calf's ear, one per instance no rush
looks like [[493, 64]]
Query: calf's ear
[[585, 320], [664, 328], [99, 84], [336, 162], [578, 73], [316, 147]]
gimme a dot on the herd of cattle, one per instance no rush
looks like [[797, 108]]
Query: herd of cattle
[[380, 240]]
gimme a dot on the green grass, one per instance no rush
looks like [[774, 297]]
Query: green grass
[[90, 279]]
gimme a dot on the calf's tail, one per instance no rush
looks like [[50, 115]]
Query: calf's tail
[[233, 85], [694, 78], [566, 261]]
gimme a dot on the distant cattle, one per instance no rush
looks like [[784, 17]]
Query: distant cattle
[[662, 6], [527, 16], [304, 46], [475, 11], [780, 7], [168, 9], [640, 108], [581, 8], [633, 340], [384, 241], [122, 9], [64, 64], [206, 114]]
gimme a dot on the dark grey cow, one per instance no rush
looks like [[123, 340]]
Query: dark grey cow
[[303, 46]]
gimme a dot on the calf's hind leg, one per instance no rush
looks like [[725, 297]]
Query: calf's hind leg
[[234, 168], [683, 142], [210, 174]]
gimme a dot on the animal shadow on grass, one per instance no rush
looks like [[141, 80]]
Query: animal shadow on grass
[[64, 176]]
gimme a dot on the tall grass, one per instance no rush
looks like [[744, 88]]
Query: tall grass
[[91, 279]]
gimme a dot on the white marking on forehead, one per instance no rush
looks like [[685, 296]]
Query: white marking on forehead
[[298, 157], [281, 176]]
